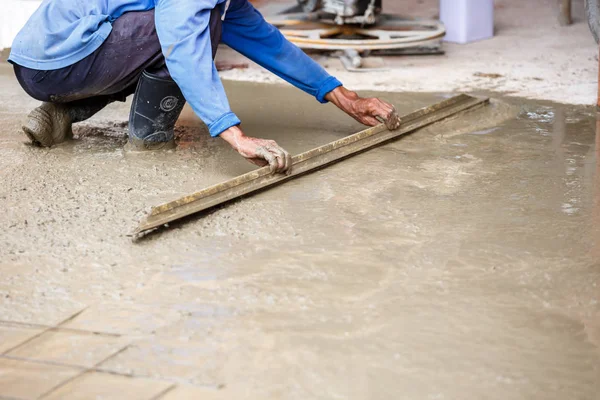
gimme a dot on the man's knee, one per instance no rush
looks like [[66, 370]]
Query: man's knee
[[29, 80]]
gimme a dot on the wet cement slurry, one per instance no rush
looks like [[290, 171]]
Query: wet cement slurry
[[461, 262]]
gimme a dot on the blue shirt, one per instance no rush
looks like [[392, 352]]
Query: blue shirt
[[63, 32]]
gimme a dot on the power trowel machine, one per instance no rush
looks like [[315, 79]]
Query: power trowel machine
[[342, 12]]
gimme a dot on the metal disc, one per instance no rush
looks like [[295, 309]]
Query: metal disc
[[390, 32]]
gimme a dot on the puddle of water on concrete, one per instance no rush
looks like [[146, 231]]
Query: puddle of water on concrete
[[485, 131]]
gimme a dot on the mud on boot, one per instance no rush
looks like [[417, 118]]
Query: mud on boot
[[48, 125], [51, 123], [157, 104]]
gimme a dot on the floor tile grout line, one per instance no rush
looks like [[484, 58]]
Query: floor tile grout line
[[43, 362], [41, 333], [83, 331], [23, 324], [175, 381], [164, 392], [25, 342], [61, 384], [111, 372], [82, 371], [72, 317], [85, 371], [96, 368], [116, 353], [27, 325]]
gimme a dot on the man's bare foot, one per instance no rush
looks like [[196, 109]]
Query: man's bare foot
[[48, 125]]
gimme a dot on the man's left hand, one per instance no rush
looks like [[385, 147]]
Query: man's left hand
[[368, 111]]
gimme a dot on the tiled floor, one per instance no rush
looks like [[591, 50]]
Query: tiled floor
[[57, 362], [82, 349], [97, 385], [22, 379], [12, 335]]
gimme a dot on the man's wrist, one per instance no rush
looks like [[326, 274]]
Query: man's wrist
[[326, 87], [232, 136], [342, 98]]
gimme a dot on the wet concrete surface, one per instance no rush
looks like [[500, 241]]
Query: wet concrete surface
[[461, 262]]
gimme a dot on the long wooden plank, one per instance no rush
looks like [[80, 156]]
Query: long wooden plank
[[305, 162]]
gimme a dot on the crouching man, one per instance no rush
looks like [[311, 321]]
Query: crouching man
[[78, 56]]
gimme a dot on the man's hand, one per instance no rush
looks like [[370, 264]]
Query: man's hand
[[367, 111], [260, 152]]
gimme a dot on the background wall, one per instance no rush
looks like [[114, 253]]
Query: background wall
[[13, 16]]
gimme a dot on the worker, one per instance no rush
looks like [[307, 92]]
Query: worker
[[78, 56]]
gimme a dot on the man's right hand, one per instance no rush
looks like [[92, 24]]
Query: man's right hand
[[260, 152]]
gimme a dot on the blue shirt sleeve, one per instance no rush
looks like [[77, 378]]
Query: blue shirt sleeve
[[246, 31], [184, 33]]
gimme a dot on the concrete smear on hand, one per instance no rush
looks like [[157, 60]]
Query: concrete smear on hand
[[458, 262]]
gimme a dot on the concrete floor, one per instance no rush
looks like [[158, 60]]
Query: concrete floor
[[461, 262]]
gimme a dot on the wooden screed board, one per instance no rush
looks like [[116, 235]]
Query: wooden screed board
[[303, 163]]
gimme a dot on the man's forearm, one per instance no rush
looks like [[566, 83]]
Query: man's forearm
[[343, 98], [247, 32]]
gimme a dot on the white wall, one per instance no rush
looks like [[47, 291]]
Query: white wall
[[13, 15]]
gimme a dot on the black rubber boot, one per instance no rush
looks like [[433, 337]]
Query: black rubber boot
[[50, 123], [156, 107]]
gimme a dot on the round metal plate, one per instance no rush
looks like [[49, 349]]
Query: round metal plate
[[390, 32]]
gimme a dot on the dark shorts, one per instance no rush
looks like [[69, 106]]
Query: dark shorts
[[114, 68]]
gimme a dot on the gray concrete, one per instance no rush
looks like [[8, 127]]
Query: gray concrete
[[460, 262]]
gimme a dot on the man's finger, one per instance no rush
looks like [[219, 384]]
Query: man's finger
[[272, 160], [374, 121], [379, 107], [280, 162], [280, 155], [387, 109], [270, 157], [288, 162], [285, 161], [393, 122], [280, 159], [258, 161]]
